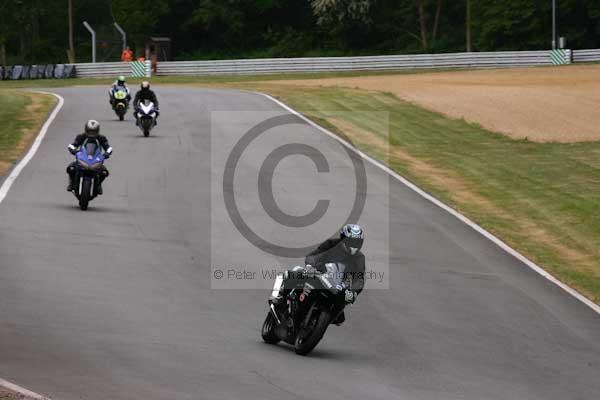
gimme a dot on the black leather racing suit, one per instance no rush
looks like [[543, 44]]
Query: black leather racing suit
[[145, 94], [77, 143], [331, 251]]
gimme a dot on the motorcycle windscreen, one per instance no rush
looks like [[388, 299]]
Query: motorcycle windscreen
[[91, 148], [147, 107]]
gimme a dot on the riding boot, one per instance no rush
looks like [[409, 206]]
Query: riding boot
[[71, 175], [100, 180], [340, 319]]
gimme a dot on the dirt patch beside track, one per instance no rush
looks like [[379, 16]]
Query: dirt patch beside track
[[559, 104]]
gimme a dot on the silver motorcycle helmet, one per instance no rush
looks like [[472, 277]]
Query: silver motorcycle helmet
[[352, 238]]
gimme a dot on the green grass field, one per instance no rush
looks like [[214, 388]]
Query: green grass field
[[541, 198], [21, 115]]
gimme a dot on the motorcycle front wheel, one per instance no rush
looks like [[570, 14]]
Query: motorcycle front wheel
[[268, 330], [310, 335], [84, 198]]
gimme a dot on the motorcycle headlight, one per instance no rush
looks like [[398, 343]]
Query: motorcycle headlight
[[96, 165], [82, 163]]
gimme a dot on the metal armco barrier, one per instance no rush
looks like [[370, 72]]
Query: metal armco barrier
[[103, 70], [97, 70], [589, 55], [382, 63], [329, 64]]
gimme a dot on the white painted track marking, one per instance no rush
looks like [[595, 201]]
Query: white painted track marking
[[22, 391], [34, 147]]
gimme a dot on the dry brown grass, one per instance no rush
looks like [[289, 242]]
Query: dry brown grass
[[559, 104]]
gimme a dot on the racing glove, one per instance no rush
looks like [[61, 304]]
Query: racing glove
[[350, 296]]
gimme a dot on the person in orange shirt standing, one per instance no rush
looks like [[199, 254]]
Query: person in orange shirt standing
[[127, 55]]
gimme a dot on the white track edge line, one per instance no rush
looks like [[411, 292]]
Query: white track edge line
[[595, 307], [22, 391], [10, 179], [4, 191]]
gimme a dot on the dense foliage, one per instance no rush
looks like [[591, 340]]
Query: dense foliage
[[37, 30]]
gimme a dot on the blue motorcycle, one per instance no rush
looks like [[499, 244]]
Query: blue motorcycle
[[90, 160]]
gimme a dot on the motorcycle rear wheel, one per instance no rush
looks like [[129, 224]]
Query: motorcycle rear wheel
[[309, 337]]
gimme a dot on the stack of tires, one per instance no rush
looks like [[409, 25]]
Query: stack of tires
[[44, 71]]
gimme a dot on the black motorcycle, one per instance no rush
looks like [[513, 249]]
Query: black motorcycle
[[315, 302]]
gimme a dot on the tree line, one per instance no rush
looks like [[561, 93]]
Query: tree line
[[39, 31]]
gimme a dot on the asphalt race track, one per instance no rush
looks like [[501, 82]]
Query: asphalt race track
[[116, 302]]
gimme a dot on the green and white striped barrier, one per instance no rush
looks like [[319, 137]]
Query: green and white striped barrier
[[560, 57], [140, 69]]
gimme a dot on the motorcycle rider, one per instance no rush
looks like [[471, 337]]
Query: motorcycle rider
[[345, 249], [91, 132], [145, 94], [118, 84]]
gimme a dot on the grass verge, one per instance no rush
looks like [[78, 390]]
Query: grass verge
[[21, 116], [541, 198], [5, 394]]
